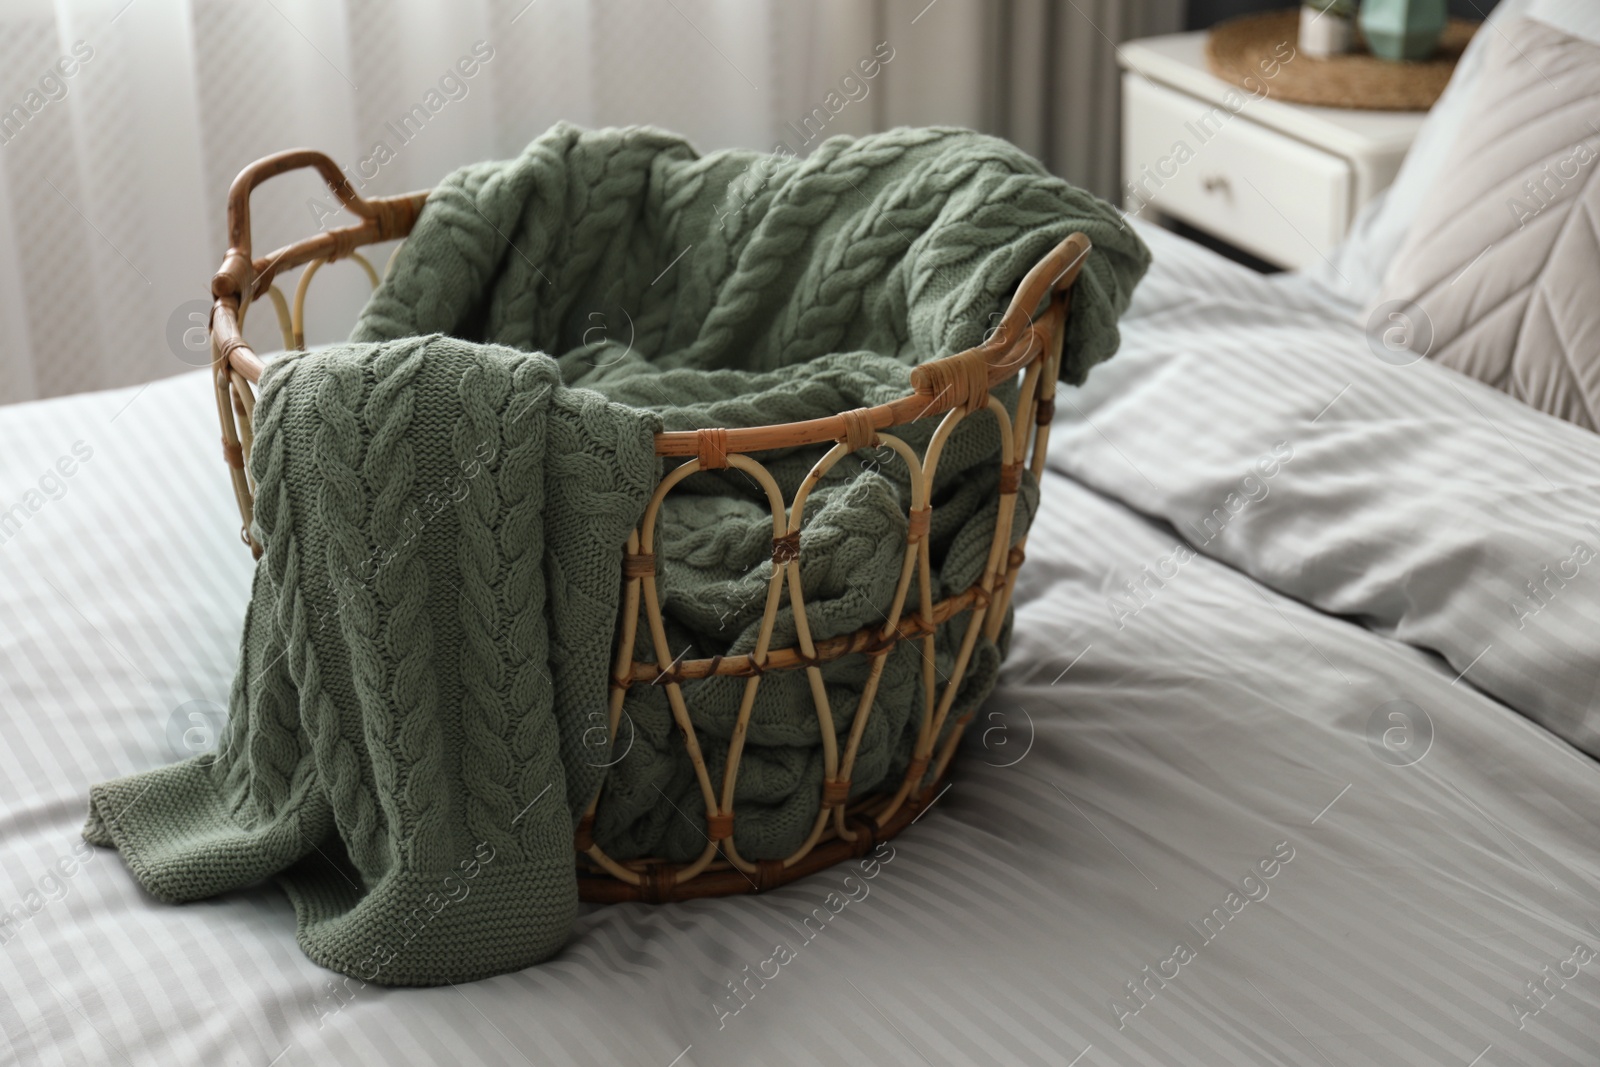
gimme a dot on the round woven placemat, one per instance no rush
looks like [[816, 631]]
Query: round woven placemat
[[1241, 50]]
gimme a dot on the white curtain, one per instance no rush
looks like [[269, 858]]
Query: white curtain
[[122, 123], [1057, 89]]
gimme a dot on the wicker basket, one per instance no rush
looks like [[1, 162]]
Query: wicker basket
[[953, 387]]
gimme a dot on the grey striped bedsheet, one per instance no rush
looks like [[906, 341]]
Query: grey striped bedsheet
[[1190, 833]]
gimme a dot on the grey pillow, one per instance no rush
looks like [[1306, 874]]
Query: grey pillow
[[1422, 506], [1499, 276]]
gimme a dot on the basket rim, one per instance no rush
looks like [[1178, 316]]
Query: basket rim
[[937, 386]]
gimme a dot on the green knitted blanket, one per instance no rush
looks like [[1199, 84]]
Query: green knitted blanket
[[417, 718]]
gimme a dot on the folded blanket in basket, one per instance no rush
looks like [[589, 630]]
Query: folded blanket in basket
[[426, 653]]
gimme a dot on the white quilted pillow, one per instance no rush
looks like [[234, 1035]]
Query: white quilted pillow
[[1499, 276], [1354, 271]]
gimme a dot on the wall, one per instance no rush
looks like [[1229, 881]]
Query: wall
[[1204, 13]]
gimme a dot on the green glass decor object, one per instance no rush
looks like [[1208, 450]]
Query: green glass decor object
[[1403, 29]]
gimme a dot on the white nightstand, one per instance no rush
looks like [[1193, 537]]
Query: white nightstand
[[1282, 181]]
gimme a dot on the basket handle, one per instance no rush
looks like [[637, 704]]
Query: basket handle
[[241, 278], [967, 376]]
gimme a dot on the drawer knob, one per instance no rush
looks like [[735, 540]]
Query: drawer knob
[[1213, 183]]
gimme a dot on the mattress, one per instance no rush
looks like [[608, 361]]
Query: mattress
[[1215, 821]]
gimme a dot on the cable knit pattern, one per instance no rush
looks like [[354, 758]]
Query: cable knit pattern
[[442, 508]]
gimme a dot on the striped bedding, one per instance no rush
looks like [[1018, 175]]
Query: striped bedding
[[1245, 796]]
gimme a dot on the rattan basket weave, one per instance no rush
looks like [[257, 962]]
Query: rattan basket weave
[[1025, 344]]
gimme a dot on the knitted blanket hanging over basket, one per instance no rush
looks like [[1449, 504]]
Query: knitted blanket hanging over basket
[[640, 545]]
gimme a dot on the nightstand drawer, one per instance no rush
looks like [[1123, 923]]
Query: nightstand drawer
[[1253, 187]]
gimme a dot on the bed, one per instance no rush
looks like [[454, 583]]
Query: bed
[[1292, 761], [1093, 887]]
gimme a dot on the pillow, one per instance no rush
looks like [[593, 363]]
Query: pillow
[[1354, 271], [1499, 276], [1419, 504], [1580, 18]]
